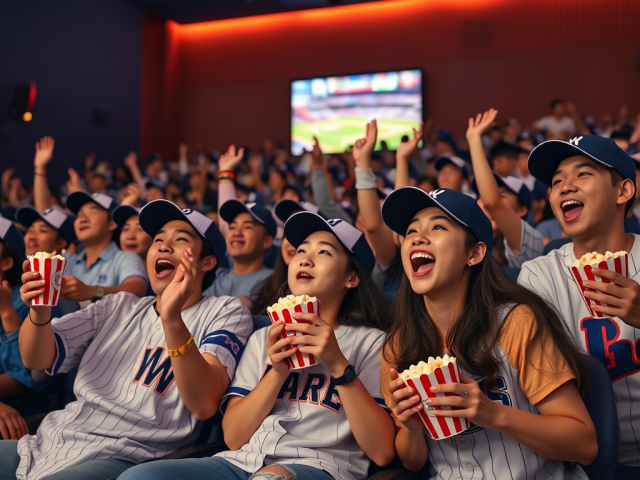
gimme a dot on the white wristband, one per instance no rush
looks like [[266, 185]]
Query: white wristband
[[365, 179]]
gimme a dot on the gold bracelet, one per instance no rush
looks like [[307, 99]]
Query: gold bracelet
[[176, 352]]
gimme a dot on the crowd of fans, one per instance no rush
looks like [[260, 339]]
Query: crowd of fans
[[172, 253]]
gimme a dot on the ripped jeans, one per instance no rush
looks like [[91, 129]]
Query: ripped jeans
[[215, 468]]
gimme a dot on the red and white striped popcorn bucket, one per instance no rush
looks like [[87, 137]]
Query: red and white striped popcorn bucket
[[585, 273], [299, 359], [438, 427], [51, 271]]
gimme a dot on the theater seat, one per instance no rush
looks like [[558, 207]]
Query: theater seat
[[554, 244], [260, 321], [513, 272], [601, 404]]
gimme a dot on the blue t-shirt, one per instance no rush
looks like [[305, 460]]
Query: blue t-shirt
[[111, 268], [229, 283], [550, 228]]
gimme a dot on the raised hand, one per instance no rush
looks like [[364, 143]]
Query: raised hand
[[32, 286], [481, 124], [316, 155], [183, 149], [73, 184], [406, 149], [230, 159], [180, 289], [131, 160], [276, 349], [44, 152], [319, 339], [131, 195], [6, 176], [89, 161], [363, 148], [404, 403]]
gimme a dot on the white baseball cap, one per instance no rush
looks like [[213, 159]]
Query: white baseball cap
[[76, 200], [53, 217]]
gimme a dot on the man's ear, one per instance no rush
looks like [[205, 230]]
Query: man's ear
[[626, 192], [522, 211], [477, 254], [267, 242], [353, 281], [6, 263], [112, 226], [209, 263]]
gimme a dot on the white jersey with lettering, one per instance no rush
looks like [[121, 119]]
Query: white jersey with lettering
[[610, 340], [308, 425], [127, 404]]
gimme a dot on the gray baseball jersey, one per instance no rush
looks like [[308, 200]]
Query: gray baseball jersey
[[307, 425], [531, 246], [610, 340], [127, 406]]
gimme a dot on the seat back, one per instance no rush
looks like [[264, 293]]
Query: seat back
[[601, 404], [513, 272], [260, 321], [557, 243]]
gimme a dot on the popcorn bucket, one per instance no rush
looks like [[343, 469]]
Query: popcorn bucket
[[299, 360], [585, 273], [51, 271], [438, 427]]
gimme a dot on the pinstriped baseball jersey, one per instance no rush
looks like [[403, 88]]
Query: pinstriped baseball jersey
[[307, 424], [612, 341], [531, 246], [482, 453], [127, 406]]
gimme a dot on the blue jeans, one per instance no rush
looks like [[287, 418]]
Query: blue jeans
[[215, 468], [103, 469]]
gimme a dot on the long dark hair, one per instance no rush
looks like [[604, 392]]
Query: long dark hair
[[472, 338], [14, 274], [273, 287]]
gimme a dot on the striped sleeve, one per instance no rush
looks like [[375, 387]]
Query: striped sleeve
[[228, 333], [75, 331], [531, 246], [130, 265]]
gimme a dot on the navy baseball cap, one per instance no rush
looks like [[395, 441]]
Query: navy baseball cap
[[404, 203], [155, 215], [10, 234], [514, 185], [53, 217], [232, 208], [123, 213], [302, 224], [545, 158], [285, 208], [76, 200], [453, 160]]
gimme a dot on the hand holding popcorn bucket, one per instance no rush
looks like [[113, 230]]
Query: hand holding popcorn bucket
[[421, 378], [283, 310], [51, 269], [582, 271]]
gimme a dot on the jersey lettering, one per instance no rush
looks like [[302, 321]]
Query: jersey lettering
[[620, 357], [498, 395], [155, 372]]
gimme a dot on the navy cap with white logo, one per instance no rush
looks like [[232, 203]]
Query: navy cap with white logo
[[514, 185], [545, 158], [123, 213], [302, 224], [452, 160], [285, 208], [402, 205], [232, 208], [53, 217], [76, 200], [13, 237], [155, 215]]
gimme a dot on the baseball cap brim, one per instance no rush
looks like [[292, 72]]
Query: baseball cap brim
[[285, 208], [303, 224], [76, 200], [232, 208], [123, 213], [524, 196], [545, 158], [27, 215], [442, 161], [158, 213]]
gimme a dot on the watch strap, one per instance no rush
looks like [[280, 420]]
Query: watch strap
[[348, 376]]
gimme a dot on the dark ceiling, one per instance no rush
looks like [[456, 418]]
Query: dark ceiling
[[191, 11]]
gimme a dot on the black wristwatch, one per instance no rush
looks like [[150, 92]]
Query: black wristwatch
[[348, 376]]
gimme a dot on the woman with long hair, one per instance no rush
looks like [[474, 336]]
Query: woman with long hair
[[521, 376]]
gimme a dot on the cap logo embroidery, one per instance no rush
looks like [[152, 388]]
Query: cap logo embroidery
[[47, 211], [575, 140], [334, 221], [434, 193], [250, 205], [187, 211]]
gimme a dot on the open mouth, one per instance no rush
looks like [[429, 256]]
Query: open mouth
[[422, 263], [304, 276], [131, 246], [164, 268], [571, 209], [82, 228]]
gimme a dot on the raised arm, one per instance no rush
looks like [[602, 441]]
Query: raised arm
[[131, 162], [378, 234], [44, 153], [321, 187], [507, 220], [227, 164], [581, 128], [403, 157]]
